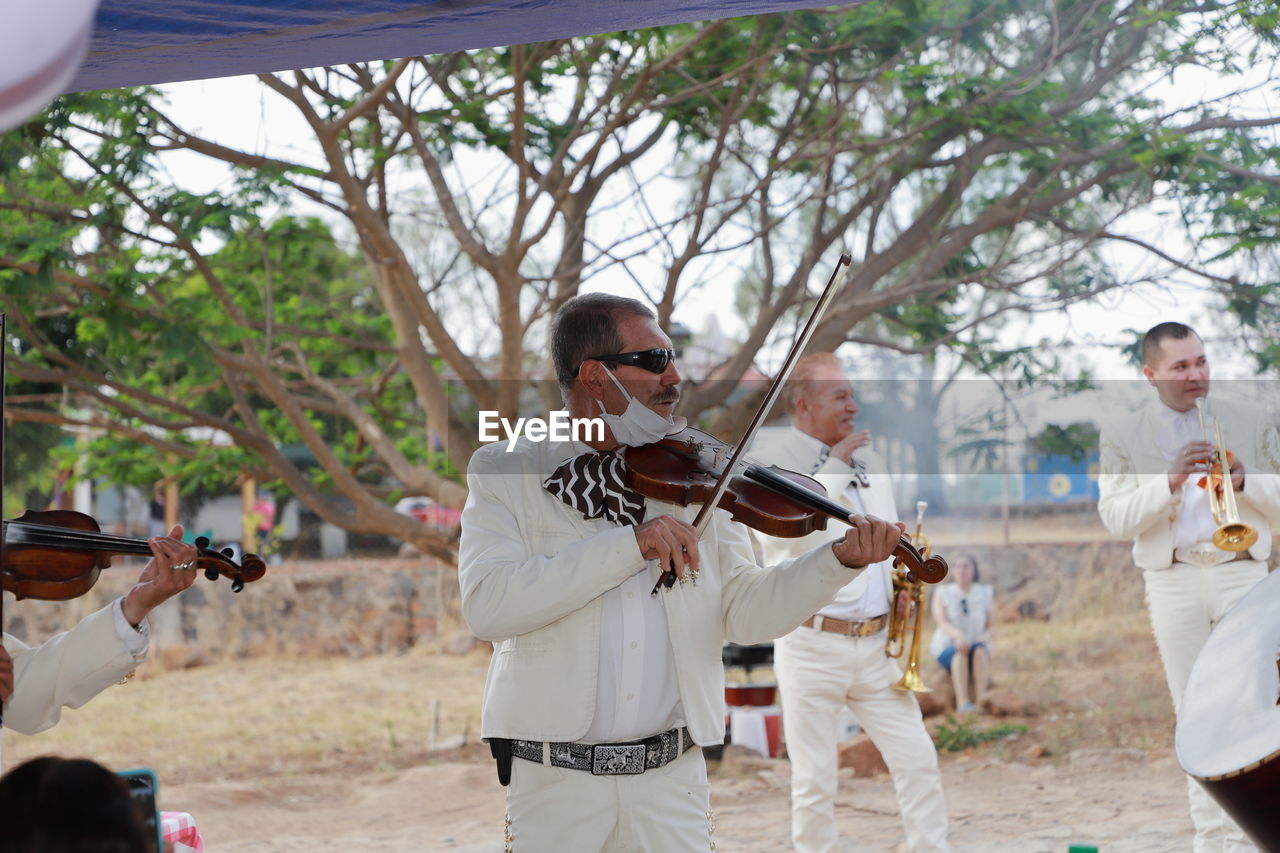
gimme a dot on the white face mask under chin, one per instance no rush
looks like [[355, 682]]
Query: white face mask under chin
[[638, 425]]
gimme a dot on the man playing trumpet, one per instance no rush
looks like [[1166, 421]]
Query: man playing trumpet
[[1153, 464]]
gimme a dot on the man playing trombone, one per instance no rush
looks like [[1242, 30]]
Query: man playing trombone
[[1193, 533]]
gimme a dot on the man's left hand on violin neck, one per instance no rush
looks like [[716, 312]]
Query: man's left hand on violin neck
[[171, 569], [868, 540]]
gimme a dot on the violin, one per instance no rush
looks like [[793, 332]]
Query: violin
[[57, 556], [684, 468]]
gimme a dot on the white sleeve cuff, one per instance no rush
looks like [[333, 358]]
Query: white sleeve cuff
[[135, 640]]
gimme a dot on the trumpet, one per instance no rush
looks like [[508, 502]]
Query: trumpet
[[914, 612], [1232, 533]]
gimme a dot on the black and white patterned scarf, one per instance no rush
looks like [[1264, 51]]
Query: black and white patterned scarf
[[593, 484]]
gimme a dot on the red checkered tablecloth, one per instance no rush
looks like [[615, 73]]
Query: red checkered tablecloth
[[179, 828]]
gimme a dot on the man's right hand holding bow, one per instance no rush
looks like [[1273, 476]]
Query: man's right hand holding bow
[[673, 543]]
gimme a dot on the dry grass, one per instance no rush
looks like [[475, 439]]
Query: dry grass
[[1097, 682], [274, 716], [1094, 672]]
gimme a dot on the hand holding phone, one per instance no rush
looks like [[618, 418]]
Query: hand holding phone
[[145, 787]]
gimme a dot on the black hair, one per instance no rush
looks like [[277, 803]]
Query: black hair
[[68, 805], [1157, 335]]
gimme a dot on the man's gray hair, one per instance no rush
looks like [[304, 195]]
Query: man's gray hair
[[801, 382], [587, 325]]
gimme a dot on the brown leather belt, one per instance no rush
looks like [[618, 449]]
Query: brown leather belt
[[849, 629]]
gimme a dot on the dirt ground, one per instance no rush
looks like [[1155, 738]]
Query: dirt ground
[[276, 755], [1118, 800]]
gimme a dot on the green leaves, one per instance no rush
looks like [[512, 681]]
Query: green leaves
[[974, 155], [956, 735], [1074, 440]]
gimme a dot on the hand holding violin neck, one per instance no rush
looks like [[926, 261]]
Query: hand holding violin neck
[[868, 540], [57, 555]]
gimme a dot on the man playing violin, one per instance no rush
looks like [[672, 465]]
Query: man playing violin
[[70, 668], [836, 658], [598, 691], [1152, 462]]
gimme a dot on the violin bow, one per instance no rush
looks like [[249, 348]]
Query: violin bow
[[4, 347], [703, 517]]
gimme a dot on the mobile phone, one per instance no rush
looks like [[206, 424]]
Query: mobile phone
[[144, 787]]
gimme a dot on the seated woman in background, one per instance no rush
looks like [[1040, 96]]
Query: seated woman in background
[[962, 641]]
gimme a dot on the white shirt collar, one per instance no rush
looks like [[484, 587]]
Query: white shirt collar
[[817, 445], [1174, 429]]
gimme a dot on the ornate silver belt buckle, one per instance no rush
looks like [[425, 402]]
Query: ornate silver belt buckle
[[609, 759], [1205, 554]]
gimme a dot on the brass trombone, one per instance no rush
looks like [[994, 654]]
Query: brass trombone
[[895, 645], [1232, 533]]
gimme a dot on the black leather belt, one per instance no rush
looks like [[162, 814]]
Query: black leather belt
[[610, 759]]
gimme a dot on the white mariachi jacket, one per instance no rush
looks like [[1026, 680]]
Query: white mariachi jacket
[[67, 670], [1134, 498], [532, 571], [789, 448]]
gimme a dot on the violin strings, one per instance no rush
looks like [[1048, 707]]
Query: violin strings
[[46, 536], [23, 533], [795, 492]]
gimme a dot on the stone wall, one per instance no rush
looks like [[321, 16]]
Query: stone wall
[[1048, 580], [334, 607], [373, 606]]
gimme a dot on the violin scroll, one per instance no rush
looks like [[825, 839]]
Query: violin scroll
[[216, 563], [931, 569]]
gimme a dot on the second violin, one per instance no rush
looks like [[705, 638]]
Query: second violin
[[683, 469], [57, 556]]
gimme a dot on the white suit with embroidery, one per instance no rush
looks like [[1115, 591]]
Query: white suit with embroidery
[[1190, 584], [537, 580], [819, 672], [70, 668]]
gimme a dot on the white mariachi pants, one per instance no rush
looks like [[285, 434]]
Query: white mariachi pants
[[818, 674], [556, 809], [1186, 601]]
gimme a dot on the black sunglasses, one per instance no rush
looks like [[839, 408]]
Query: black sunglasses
[[652, 360]]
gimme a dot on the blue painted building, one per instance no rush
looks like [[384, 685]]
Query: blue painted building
[[1057, 478]]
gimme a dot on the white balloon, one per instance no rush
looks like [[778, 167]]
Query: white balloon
[[42, 44]]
